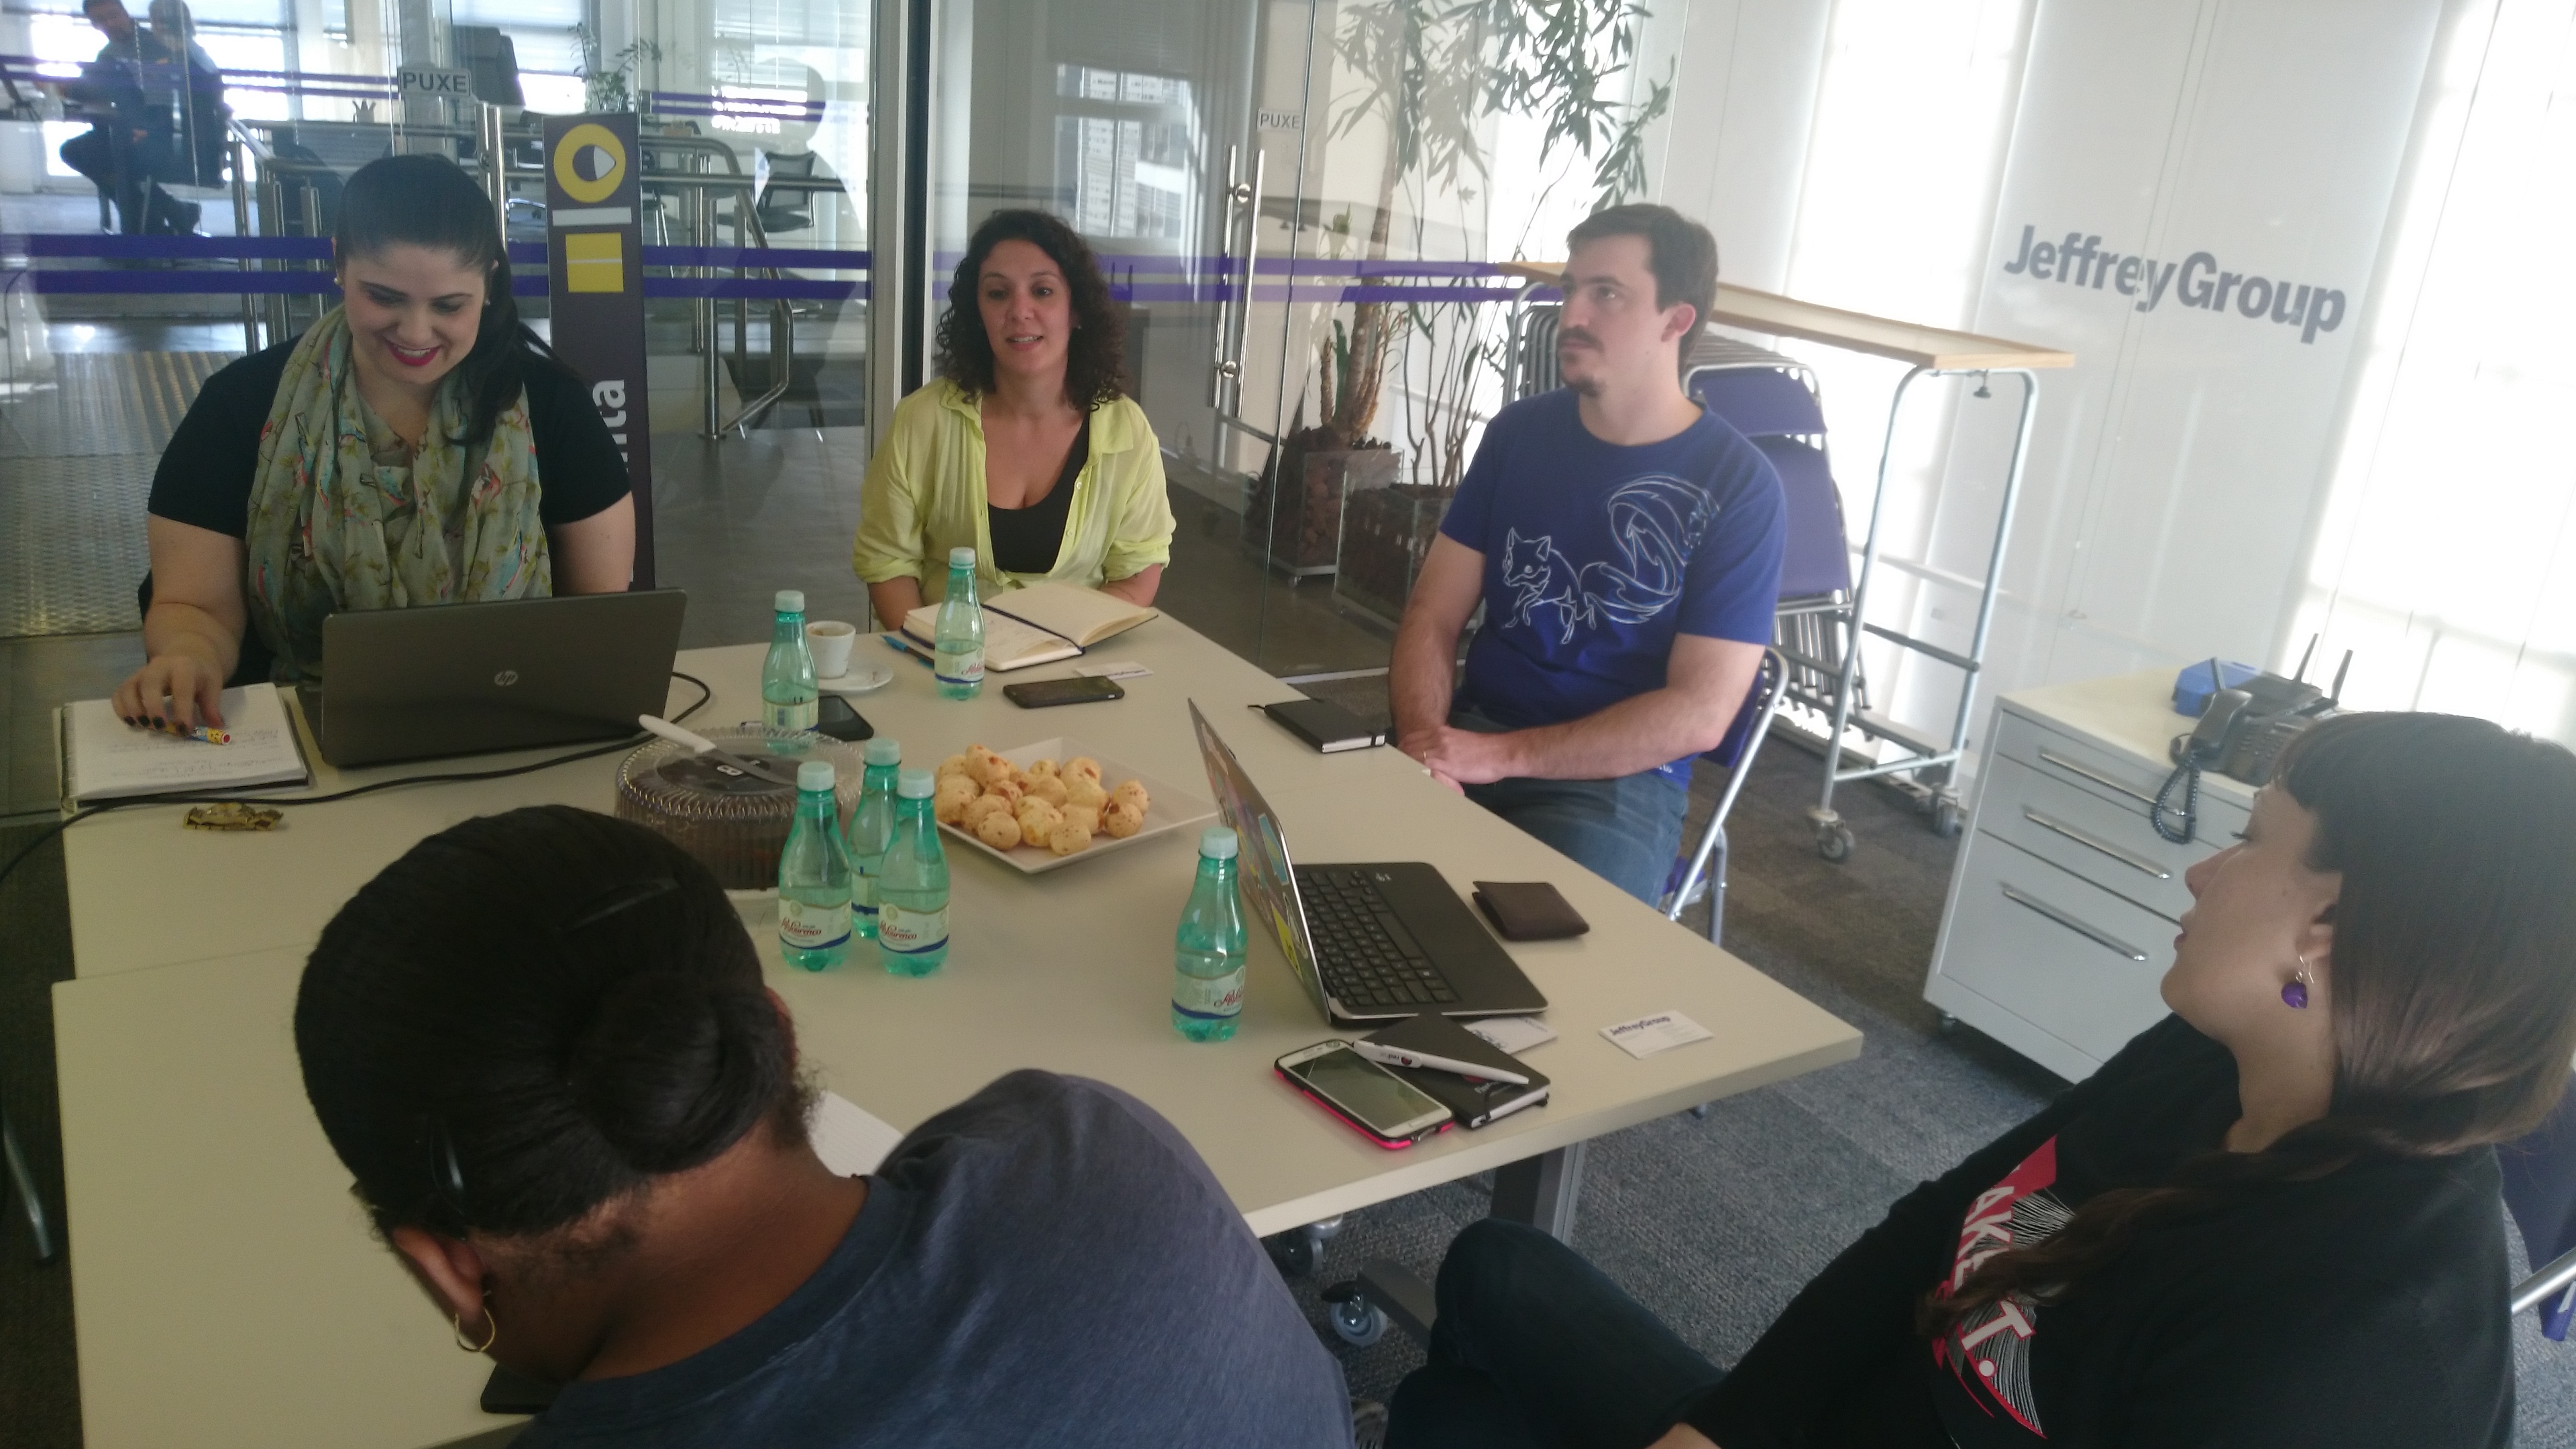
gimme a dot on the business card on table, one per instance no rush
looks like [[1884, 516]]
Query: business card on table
[[1660, 1032], [1514, 1034], [1114, 669]]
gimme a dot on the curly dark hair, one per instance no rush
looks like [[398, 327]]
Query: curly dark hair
[[1095, 363]]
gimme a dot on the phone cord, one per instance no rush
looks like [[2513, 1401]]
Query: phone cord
[[2187, 775]]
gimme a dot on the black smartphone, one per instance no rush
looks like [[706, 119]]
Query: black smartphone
[[1080, 689], [841, 722]]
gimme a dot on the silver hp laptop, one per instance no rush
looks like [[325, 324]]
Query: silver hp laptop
[[1370, 942], [463, 679]]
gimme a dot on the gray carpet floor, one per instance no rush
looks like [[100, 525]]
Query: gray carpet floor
[[1713, 1223]]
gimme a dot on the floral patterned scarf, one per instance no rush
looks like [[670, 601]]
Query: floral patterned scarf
[[343, 516]]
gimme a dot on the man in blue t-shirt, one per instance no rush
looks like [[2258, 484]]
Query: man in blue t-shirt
[[1626, 545]]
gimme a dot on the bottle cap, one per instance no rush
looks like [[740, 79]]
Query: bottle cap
[[913, 784], [1217, 843], [816, 775], [791, 601], [883, 752], [961, 558]]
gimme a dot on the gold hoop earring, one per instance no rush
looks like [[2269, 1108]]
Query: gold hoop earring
[[491, 1331]]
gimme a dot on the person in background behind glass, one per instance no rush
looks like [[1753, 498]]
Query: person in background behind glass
[[203, 119], [128, 144]]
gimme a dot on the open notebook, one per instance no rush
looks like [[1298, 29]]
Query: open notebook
[[1036, 625], [104, 758]]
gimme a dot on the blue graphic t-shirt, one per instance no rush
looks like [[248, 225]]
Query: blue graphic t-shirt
[[1596, 555]]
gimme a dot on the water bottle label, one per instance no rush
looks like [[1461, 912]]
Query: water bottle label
[[1209, 998], [959, 668], [791, 716], [812, 928], [863, 894], [907, 932]]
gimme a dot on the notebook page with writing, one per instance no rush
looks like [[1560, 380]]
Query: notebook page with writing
[[104, 758]]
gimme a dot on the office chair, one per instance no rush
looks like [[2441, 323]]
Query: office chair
[[1706, 863], [2540, 1191]]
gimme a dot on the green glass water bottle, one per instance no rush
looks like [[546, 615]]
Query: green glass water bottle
[[957, 637], [1207, 956], [871, 830], [814, 875], [789, 697]]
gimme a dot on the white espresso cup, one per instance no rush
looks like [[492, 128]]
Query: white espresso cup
[[830, 640]]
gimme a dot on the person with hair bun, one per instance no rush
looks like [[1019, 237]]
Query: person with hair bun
[[2271, 1219], [541, 1043], [417, 445], [1027, 449]]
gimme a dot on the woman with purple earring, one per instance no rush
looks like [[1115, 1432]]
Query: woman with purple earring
[[2271, 1219]]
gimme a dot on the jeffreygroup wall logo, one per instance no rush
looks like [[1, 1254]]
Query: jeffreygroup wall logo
[[2195, 281]]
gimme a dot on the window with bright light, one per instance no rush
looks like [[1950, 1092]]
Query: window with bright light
[[1874, 171], [2446, 551]]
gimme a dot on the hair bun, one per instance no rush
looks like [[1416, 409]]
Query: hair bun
[[672, 1069]]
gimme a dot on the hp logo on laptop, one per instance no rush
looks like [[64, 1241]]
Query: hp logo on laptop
[[506, 678]]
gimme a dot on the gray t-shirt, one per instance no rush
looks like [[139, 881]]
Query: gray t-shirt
[[1045, 1262]]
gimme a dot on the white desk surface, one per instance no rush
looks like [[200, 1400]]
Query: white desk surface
[[2130, 713], [228, 1291]]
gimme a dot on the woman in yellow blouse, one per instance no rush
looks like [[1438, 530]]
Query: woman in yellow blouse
[[1026, 449]]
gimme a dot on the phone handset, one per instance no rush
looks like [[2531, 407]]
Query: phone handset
[[2206, 747]]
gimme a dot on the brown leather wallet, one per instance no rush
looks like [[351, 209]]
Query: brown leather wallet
[[1528, 910]]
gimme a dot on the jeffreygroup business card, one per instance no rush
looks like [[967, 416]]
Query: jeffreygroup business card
[[1660, 1032]]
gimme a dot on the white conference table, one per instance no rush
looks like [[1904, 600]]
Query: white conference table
[[227, 1289]]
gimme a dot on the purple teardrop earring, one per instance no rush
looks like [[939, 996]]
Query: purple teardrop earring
[[2295, 995]]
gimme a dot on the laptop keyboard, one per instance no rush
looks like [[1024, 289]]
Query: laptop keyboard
[[1369, 960]]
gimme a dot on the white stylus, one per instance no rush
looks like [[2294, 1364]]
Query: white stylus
[[1387, 1056], [698, 744]]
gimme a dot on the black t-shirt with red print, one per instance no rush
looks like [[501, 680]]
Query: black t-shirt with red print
[[2366, 1307]]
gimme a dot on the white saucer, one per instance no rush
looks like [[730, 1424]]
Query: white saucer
[[862, 679]]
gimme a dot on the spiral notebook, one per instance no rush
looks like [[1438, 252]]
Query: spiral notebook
[[104, 758]]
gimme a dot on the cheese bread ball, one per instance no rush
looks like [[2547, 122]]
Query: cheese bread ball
[[1040, 770], [1080, 790], [1082, 765], [1038, 820], [1132, 792], [1010, 790], [1047, 788], [1086, 816], [998, 829], [983, 808], [993, 770], [958, 788], [1069, 839], [950, 809], [1121, 819], [954, 765]]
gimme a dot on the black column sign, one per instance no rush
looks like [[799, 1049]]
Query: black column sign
[[595, 279]]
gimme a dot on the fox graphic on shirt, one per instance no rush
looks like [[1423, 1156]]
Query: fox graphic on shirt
[[1656, 522], [1989, 1350]]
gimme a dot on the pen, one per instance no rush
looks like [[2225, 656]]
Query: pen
[[199, 732], [895, 643]]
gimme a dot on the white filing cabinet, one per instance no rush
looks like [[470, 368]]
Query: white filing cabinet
[[2064, 903]]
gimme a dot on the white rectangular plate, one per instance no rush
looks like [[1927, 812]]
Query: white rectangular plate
[[1167, 807]]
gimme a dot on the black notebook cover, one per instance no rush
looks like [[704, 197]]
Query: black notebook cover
[[1325, 725], [1473, 1103]]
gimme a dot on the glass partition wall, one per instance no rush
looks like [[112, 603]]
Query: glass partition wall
[[1303, 238]]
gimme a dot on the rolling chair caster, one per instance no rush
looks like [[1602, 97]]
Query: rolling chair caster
[[1949, 1024], [1297, 1253], [1355, 1320]]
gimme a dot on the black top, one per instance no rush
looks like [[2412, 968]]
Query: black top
[[206, 473], [1027, 540], [2365, 1307]]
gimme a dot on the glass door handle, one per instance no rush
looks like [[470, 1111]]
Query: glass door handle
[[1234, 310]]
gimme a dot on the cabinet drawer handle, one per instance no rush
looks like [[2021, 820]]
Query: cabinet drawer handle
[[2052, 757], [2098, 937], [2087, 840]]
